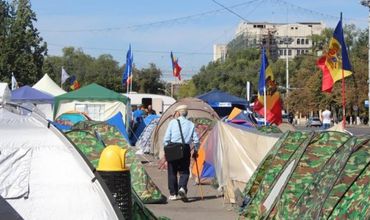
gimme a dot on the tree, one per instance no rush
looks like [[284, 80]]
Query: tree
[[148, 80], [187, 90], [24, 49]]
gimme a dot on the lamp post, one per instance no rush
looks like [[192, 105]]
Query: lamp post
[[366, 3], [287, 40]]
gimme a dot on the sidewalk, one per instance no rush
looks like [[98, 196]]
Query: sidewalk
[[211, 207]]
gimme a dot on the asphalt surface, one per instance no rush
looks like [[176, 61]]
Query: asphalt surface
[[212, 205], [353, 129]]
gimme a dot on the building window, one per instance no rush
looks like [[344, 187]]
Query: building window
[[298, 41], [298, 52], [289, 52], [296, 28], [307, 41], [284, 52], [302, 41], [94, 111]]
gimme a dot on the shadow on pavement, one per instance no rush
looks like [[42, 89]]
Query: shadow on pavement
[[198, 198]]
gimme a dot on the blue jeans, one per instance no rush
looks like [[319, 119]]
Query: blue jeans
[[179, 166], [326, 125]]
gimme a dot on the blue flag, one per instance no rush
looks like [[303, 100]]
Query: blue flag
[[127, 75], [262, 78]]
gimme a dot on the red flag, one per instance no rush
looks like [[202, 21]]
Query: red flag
[[176, 69]]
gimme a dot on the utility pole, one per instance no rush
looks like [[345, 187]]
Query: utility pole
[[366, 3], [287, 41]]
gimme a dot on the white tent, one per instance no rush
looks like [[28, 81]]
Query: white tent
[[46, 84], [43, 176], [236, 152], [5, 94]]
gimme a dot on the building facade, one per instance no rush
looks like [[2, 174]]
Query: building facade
[[219, 52], [280, 39]]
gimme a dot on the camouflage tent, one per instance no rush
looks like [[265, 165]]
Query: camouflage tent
[[91, 137], [311, 176]]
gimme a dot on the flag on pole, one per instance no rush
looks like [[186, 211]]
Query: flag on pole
[[64, 76], [127, 74], [268, 96], [335, 60], [14, 82], [74, 83], [176, 69]]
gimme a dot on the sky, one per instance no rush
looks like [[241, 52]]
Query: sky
[[188, 28]]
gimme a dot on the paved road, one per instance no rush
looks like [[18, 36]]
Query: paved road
[[354, 129], [212, 207]]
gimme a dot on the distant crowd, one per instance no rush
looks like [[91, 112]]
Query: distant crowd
[[139, 112]]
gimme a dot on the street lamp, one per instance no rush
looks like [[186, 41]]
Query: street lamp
[[366, 3]]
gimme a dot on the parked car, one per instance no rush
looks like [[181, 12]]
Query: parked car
[[285, 118], [313, 122]]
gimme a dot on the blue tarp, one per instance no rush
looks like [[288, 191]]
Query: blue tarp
[[140, 128], [117, 121], [223, 102], [208, 170], [29, 94], [217, 98]]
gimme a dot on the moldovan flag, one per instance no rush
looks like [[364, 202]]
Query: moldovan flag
[[176, 69], [273, 101], [74, 83], [335, 62]]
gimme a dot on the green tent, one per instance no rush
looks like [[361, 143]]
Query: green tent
[[98, 102], [312, 175]]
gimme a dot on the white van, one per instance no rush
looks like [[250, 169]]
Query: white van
[[159, 103]]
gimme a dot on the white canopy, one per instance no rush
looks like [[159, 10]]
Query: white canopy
[[46, 84], [236, 154], [5, 94], [42, 175]]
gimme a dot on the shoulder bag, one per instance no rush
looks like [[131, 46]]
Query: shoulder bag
[[175, 151]]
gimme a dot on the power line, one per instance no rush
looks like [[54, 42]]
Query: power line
[[137, 51], [162, 22], [231, 11]]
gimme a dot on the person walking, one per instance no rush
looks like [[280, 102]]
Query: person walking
[[326, 118], [181, 166]]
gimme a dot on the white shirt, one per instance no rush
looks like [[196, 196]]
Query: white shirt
[[326, 117]]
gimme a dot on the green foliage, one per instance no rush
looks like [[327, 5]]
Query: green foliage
[[147, 80], [22, 50], [230, 75], [187, 90], [103, 70]]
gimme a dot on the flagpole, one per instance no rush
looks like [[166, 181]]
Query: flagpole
[[343, 100], [343, 89], [61, 74], [131, 79], [264, 105]]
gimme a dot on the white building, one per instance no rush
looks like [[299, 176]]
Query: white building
[[219, 52], [281, 38]]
